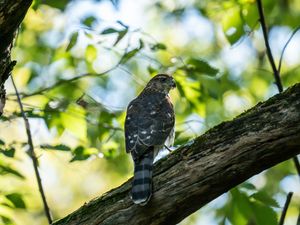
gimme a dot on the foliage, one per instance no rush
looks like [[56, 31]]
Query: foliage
[[76, 74]]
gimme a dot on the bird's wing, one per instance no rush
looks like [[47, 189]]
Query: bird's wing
[[149, 122]]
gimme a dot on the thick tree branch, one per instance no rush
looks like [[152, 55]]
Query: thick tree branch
[[206, 167], [11, 15]]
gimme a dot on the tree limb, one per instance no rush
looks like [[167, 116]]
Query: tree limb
[[11, 15], [206, 167]]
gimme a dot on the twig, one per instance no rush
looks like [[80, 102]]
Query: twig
[[65, 81], [285, 208], [269, 52], [271, 60], [170, 150], [297, 165], [32, 155], [285, 46]]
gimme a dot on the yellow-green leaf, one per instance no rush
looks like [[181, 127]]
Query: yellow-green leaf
[[233, 25], [90, 53]]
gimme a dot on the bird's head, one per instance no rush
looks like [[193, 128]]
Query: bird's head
[[161, 83]]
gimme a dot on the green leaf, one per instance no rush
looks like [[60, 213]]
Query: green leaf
[[2, 142], [109, 31], [88, 35], [248, 186], [180, 89], [235, 217], [177, 13], [109, 150], [88, 21], [243, 203], [94, 134], [195, 65], [264, 198], [60, 147], [77, 125], [73, 41], [152, 70], [121, 34], [106, 117], [6, 220], [9, 153], [250, 15], [264, 214], [36, 4], [17, 200], [4, 170], [53, 120], [59, 4], [142, 44], [129, 55], [80, 153], [122, 24], [158, 46], [232, 24], [90, 53], [4, 118]]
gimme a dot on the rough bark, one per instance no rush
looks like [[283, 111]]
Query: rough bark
[[206, 167], [12, 13]]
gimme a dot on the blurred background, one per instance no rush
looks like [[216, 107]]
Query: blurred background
[[79, 63]]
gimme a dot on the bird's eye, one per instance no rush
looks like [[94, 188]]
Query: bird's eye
[[163, 79]]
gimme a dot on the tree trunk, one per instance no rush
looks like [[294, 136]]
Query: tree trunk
[[12, 13], [206, 167]]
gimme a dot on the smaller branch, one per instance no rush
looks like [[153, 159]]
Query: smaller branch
[[266, 39], [284, 48], [285, 208], [60, 82], [136, 78], [271, 60], [297, 165], [33, 156], [170, 150], [64, 81]]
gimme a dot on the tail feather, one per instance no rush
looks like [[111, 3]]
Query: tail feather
[[142, 181]]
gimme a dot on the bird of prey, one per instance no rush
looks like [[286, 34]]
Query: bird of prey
[[149, 126]]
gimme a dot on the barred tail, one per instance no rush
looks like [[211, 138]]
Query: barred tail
[[142, 181]]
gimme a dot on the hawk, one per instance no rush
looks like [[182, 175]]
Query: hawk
[[149, 126]]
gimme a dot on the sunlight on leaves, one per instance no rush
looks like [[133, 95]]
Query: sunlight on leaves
[[232, 25]]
